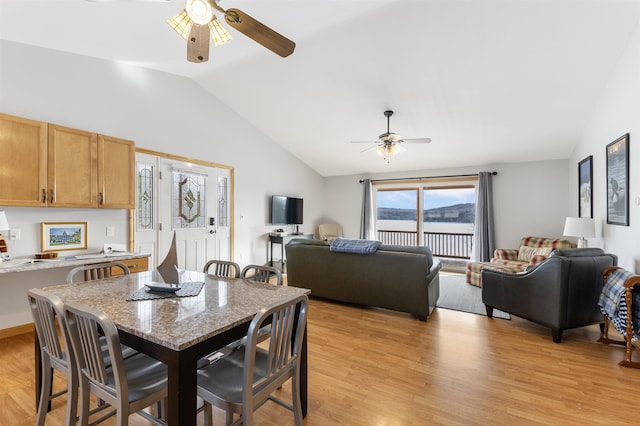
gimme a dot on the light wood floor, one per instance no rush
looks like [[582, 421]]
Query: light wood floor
[[374, 367]]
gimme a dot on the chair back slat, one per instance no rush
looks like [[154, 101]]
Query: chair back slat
[[49, 336], [93, 361], [222, 268], [260, 273], [280, 341], [96, 271]]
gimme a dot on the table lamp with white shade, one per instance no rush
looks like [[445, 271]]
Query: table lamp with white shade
[[581, 227], [4, 226]]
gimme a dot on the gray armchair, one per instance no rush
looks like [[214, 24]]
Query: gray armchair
[[561, 292]]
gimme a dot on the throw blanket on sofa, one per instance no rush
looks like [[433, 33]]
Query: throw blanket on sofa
[[613, 305], [346, 245]]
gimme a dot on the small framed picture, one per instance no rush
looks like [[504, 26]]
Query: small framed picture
[[618, 181], [585, 190], [57, 236]]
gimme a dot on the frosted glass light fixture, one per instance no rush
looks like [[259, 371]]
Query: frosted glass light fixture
[[182, 24], [581, 227], [199, 11], [388, 150]]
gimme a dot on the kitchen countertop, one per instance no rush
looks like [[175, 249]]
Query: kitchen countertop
[[21, 264]]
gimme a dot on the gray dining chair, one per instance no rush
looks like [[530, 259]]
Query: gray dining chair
[[96, 271], [54, 353], [126, 385], [261, 273], [244, 380], [222, 268]]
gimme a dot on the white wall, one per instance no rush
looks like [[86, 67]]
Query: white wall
[[158, 111], [531, 198], [618, 112]]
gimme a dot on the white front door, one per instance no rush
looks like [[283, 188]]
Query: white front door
[[186, 201], [188, 210]]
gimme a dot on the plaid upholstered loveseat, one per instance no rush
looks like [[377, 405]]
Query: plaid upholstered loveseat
[[531, 252]]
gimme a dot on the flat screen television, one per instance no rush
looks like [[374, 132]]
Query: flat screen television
[[286, 210]]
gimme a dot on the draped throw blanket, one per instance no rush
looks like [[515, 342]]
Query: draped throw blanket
[[612, 302], [347, 245]]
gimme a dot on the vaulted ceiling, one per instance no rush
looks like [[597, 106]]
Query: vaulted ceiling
[[489, 81]]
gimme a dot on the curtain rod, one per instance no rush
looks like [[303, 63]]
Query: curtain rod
[[494, 173]]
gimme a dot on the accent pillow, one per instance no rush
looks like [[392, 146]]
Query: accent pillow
[[526, 253]]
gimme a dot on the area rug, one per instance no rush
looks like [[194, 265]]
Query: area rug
[[457, 295]]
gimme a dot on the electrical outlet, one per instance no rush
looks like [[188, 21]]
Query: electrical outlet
[[14, 234], [111, 231]]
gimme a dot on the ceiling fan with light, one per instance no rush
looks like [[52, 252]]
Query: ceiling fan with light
[[197, 22], [389, 143]]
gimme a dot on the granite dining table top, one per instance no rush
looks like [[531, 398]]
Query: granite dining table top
[[172, 321]]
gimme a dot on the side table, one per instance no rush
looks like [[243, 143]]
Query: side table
[[282, 239]]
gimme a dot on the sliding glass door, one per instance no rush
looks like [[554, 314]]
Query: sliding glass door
[[436, 213]]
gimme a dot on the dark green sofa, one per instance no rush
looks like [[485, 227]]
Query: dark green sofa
[[399, 278]]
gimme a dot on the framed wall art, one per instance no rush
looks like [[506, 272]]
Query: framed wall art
[[585, 188], [57, 236], [618, 181]]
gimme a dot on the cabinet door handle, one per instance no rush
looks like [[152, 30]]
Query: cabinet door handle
[[44, 195], [51, 198], [101, 198]]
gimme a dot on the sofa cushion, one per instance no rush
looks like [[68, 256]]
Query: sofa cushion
[[525, 253], [411, 249], [308, 242], [554, 243]]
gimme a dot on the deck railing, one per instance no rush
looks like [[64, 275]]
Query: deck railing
[[442, 244]]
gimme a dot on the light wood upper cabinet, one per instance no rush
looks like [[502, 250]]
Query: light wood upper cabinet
[[116, 173], [54, 166], [23, 161], [73, 162]]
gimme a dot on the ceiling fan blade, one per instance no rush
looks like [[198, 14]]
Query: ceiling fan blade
[[198, 43], [259, 32], [371, 147], [376, 142], [416, 140]]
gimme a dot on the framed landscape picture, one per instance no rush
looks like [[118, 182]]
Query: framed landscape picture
[[585, 189], [57, 236], [618, 181]]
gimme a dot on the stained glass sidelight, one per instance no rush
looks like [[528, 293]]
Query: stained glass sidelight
[[145, 197], [222, 201]]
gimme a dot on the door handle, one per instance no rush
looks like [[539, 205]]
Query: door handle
[[212, 231]]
